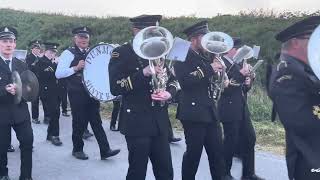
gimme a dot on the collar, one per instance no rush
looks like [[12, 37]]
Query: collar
[[2, 57]]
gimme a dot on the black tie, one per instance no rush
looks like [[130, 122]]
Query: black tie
[[8, 63]]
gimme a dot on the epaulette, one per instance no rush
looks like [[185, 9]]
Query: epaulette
[[316, 111]]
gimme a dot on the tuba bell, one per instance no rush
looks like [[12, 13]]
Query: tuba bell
[[217, 43], [154, 43]]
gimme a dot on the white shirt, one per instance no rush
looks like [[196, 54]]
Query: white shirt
[[64, 70], [4, 59]]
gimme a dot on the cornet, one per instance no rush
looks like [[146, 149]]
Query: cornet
[[217, 43]]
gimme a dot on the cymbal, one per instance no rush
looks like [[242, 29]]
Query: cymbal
[[30, 86], [17, 82]]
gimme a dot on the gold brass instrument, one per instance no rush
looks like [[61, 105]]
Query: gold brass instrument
[[313, 52], [153, 43], [217, 43]]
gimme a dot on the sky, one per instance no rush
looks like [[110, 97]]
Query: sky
[[169, 8]]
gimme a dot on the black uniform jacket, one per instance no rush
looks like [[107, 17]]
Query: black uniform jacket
[[138, 116], [47, 81], [9, 112], [295, 92], [232, 101], [195, 99]]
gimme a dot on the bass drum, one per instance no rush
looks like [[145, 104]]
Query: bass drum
[[96, 73]]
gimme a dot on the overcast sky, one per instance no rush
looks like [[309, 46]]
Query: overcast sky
[[200, 8]]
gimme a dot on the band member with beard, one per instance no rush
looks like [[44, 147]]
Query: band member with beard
[[144, 119], [13, 115], [196, 108], [83, 107], [49, 94]]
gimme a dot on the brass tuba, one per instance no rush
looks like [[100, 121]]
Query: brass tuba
[[217, 43], [154, 43]]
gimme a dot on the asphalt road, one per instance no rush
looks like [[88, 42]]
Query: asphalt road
[[57, 163]]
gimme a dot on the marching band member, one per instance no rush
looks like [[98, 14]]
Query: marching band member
[[143, 122], [49, 95], [32, 59], [196, 109], [235, 117], [294, 89], [12, 115], [83, 107]]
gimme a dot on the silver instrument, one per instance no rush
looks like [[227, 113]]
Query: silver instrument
[[313, 52], [217, 43], [154, 43], [27, 86]]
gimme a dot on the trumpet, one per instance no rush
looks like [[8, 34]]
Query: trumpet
[[217, 43], [153, 43]]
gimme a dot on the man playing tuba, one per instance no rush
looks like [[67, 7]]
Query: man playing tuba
[[144, 117]]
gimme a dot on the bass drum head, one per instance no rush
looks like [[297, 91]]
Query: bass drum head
[[96, 73]]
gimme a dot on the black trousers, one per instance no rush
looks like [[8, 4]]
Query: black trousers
[[63, 99], [84, 109], [51, 102], [25, 136], [199, 135], [115, 112], [35, 108], [304, 171], [157, 149], [170, 135], [239, 134]]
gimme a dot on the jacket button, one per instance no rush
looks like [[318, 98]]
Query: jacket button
[[193, 103], [0, 78], [137, 69], [45, 88], [128, 110], [151, 90]]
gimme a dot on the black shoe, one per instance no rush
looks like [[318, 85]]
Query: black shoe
[[253, 177], [113, 128], [55, 140], [110, 153], [11, 149], [4, 178], [174, 139], [46, 120], [228, 177], [65, 114], [80, 155], [87, 134], [36, 121]]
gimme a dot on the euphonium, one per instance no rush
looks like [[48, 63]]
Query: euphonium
[[217, 43], [153, 43]]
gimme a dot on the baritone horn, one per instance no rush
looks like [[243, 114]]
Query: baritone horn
[[217, 43]]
